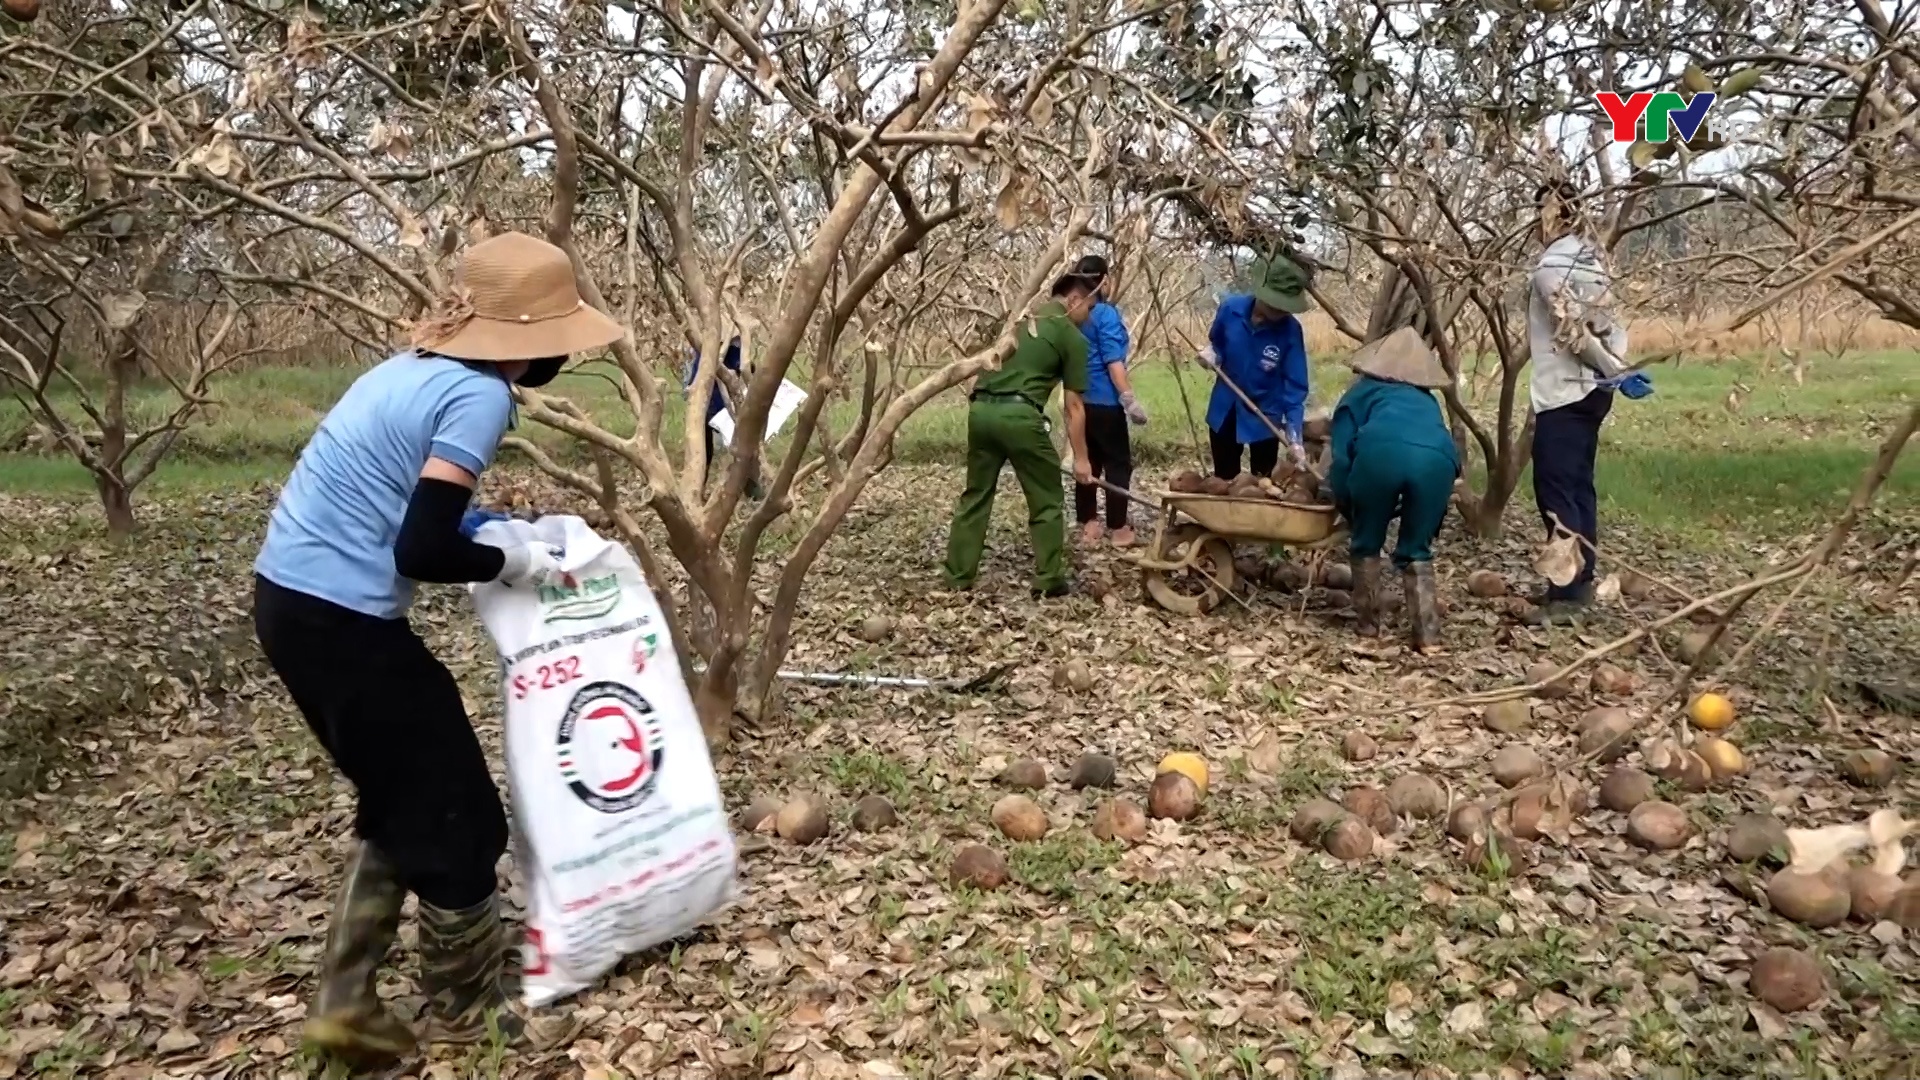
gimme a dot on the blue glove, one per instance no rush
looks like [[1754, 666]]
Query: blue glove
[[1634, 384], [475, 518]]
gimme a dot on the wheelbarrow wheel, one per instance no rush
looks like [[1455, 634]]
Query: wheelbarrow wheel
[[1204, 579]]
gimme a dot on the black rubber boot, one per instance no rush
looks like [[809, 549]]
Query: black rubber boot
[[346, 1019]]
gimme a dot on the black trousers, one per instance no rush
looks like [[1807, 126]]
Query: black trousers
[[1565, 442], [390, 717], [1225, 444], [1110, 455]]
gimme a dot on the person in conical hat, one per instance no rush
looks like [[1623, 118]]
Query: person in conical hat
[[1394, 458], [375, 504]]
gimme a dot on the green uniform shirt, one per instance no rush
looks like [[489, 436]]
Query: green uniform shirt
[[1053, 351]]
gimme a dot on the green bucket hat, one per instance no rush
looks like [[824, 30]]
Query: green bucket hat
[[1282, 283]]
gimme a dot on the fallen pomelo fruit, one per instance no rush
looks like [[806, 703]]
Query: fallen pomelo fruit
[[1191, 766], [1710, 712]]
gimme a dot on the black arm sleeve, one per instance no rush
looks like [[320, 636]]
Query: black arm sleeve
[[430, 547]]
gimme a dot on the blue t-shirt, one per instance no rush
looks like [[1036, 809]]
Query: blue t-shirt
[[730, 360], [1268, 362], [332, 532], [1107, 343]]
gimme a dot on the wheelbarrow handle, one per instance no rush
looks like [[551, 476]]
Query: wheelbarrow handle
[[1116, 489]]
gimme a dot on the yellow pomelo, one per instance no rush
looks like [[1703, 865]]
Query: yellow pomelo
[[1710, 712], [1192, 766]]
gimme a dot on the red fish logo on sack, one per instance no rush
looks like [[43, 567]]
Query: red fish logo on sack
[[610, 747]]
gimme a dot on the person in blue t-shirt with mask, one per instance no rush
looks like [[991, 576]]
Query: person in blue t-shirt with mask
[[374, 505], [1111, 406], [1258, 344]]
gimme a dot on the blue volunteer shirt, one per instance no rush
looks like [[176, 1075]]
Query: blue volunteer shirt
[[1268, 361], [1107, 343], [730, 361], [332, 532]]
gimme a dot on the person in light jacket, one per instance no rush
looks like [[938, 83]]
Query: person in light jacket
[[1579, 349], [1394, 458]]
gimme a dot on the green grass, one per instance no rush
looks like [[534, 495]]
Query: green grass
[[1679, 462]]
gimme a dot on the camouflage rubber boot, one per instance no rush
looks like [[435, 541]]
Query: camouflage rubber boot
[[1367, 577], [1422, 591], [346, 1018], [463, 968]]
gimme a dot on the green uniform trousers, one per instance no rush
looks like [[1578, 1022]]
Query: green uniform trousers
[[1394, 479], [1000, 431]]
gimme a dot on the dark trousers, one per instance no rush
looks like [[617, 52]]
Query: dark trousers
[[1110, 455], [1565, 443], [390, 717], [1225, 444]]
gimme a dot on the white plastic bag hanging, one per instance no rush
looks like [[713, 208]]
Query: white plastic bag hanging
[[622, 836]]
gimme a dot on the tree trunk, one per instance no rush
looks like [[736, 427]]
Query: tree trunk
[[117, 502], [713, 699]]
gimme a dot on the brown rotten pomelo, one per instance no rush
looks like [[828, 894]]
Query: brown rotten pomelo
[[1624, 788], [1868, 768], [1515, 765], [1185, 482], [1173, 796], [1787, 979], [1658, 826], [1543, 671], [1120, 819], [802, 821], [1348, 839], [1073, 675], [1358, 746], [760, 812], [1466, 820], [1814, 898], [876, 628], [1417, 795], [1508, 717], [1313, 818], [1611, 681], [978, 866], [1754, 837], [1605, 734], [1370, 806], [1026, 774], [874, 813], [1093, 770], [1020, 818], [1486, 584]]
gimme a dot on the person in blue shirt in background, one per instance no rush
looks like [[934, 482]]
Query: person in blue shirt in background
[[715, 405], [1258, 344], [1393, 457], [1111, 406]]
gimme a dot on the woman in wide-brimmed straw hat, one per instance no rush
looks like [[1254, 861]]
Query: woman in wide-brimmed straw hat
[[1393, 457], [374, 505]]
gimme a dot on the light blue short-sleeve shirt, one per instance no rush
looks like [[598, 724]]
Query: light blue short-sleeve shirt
[[332, 532]]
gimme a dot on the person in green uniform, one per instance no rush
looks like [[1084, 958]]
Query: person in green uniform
[[1393, 457], [1007, 424]]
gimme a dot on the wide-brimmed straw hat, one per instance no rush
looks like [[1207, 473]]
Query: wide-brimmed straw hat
[[1402, 356], [515, 300]]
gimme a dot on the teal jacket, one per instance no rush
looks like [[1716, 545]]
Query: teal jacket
[[1386, 419]]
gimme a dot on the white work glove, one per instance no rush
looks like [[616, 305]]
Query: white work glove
[[1136, 412], [1207, 358], [1298, 452], [530, 564]]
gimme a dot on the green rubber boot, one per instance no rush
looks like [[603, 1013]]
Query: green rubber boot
[[346, 1018], [463, 969], [1367, 575]]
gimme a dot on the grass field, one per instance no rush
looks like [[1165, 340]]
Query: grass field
[[1681, 461]]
